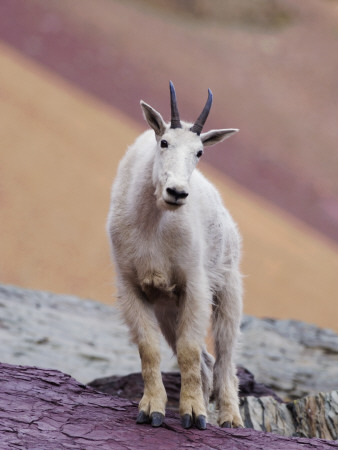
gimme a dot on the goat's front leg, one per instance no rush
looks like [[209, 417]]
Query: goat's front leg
[[191, 333], [152, 404], [227, 310], [140, 317]]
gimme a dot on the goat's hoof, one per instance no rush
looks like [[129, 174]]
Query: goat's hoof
[[142, 417], [201, 422], [156, 419], [226, 425], [186, 421]]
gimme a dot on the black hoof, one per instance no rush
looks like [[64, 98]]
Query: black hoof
[[201, 422], [186, 421], [226, 425], [142, 417], [156, 419]]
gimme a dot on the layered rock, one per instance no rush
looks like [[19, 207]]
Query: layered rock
[[261, 408], [311, 416], [42, 409], [88, 340], [131, 386], [84, 338], [291, 357]]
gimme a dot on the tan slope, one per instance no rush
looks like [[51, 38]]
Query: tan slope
[[59, 152], [290, 270]]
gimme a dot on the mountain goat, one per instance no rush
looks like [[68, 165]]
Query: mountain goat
[[177, 252]]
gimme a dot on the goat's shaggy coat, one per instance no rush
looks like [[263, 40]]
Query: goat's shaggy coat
[[177, 253]]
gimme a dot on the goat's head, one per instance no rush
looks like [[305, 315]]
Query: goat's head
[[179, 148]]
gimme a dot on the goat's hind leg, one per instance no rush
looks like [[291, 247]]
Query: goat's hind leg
[[207, 365], [142, 323], [226, 318]]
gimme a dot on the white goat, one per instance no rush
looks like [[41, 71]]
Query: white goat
[[177, 251]]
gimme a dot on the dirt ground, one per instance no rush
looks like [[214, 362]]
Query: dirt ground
[[59, 151]]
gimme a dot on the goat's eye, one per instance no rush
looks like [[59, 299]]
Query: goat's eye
[[199, 153], [164, 144]]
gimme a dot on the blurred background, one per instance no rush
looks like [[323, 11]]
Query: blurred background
[[71, 78]]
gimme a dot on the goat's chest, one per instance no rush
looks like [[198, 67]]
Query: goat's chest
[[160, 261], [159, 247]]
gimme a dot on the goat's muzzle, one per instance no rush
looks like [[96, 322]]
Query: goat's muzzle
[[175, 197]]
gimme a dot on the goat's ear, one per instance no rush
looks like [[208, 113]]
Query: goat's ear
[[214, 136], [153, 118]]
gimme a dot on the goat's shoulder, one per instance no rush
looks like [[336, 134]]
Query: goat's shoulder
[[209, 201], [217, 225]]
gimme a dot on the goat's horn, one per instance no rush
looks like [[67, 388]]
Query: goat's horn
[[175, 117], [198, 125]]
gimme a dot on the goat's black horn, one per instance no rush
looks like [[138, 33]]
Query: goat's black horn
[[198, 125], [175, 117]]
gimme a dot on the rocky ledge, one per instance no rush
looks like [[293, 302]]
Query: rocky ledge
[[42, 409], [296, 361], [261, 408]]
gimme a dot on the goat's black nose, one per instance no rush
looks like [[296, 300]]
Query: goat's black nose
[[177, 194]]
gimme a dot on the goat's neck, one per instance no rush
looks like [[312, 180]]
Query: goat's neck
[[149, 216], [147, 213]]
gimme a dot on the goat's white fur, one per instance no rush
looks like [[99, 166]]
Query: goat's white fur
[[177, 264]]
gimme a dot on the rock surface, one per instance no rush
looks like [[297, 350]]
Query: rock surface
[[261, 409], [317, 415], [84, 338], [88, 340], [42, 409], [291, 357], [131, 386], [311, 416]]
